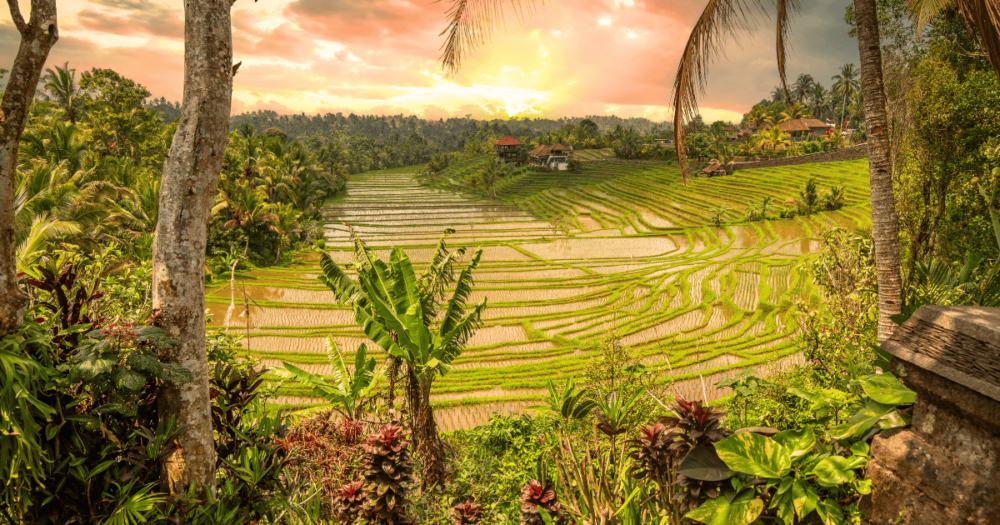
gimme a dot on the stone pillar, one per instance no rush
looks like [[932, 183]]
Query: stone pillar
[[945, 469]]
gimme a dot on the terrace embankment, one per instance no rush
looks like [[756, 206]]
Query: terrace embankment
[[569, 260]]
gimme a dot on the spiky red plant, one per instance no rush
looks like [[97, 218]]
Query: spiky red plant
[[536, 496], [468, 513], [388, 476], [348, 501]]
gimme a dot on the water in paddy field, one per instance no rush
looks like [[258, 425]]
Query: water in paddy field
[[694, 301]]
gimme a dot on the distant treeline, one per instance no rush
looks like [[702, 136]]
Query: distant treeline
[[446, 134]]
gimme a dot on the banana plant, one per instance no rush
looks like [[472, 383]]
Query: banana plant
[[389, 304], [348, 389]]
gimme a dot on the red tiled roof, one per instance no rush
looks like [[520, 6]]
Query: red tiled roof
[[558, 147], [509, 141]]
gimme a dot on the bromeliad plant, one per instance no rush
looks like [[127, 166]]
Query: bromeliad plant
[[399, 311], [387, 478]]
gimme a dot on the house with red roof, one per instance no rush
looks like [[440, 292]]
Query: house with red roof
[[553, 156], [509, 149]]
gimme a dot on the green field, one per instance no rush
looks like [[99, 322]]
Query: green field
[[569, 259]]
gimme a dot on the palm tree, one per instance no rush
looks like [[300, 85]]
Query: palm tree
[[247, 207], [758, 118], [846, 85], [61, 88], [796, 111], [773, 140], [802, 87], [285, 223], [725, 157], [818, 100]]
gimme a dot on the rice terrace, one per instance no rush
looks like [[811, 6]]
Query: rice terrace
[[570, 259]]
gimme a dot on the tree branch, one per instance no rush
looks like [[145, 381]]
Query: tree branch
[[15, 13]]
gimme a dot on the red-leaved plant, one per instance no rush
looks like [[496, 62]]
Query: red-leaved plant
[[467, 513], [387, 478], [536, 496]]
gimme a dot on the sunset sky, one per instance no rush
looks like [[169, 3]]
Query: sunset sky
[[567, 58]]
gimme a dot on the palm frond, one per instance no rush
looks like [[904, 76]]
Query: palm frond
[[720, 18], [470, 24], [785, 9]]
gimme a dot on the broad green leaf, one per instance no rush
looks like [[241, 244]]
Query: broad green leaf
[[864, 486], [860, 449], [742, 510], [784, 505], [833, 471], [129, 379], [886, 389], [830, 512], [798, 442], [703, 463], [863, 420], [755, 455], [804, 498], [894, 419]]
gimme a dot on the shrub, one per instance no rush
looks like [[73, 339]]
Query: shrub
[[388, 477], [325, 452]]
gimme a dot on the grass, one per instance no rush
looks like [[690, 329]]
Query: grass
[[569, 259]]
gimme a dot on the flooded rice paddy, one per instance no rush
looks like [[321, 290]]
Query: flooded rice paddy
[[693, 301]]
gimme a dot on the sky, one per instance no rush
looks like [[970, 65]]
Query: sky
[[561, 59]]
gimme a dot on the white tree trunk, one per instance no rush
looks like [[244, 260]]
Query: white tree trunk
[[190, 176], [37, 38]]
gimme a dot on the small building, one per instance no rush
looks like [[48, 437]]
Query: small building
[[732, 132], [714, 169], [804, 128], [555, 157], [509, 149]]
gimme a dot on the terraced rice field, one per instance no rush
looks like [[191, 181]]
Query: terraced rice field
[[570, 259]]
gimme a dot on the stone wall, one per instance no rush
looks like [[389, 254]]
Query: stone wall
[[945, 469], [852, 153]]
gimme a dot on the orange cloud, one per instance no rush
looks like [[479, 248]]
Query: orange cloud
[[566, 59]]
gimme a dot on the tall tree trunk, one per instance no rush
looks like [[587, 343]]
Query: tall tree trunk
[[38, 35], [433, 471], [885, 224], [190, 176]]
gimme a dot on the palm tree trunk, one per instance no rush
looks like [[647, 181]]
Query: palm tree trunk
[[843, 109], [37, 38], [885, 224], [190, 176]]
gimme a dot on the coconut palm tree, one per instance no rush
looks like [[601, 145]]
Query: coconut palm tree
[[802, 86], [61, 88], [846, 85], [285, 223], [247, 207], [818, 102], [796, 111]]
